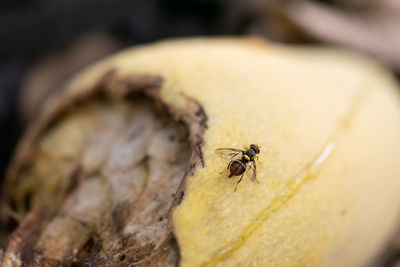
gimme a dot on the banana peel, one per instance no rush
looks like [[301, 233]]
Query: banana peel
[[327, 122]]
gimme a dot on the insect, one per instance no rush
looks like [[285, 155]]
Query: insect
[[239, 166]]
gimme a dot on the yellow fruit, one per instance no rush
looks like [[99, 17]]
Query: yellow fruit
[[328, 124]]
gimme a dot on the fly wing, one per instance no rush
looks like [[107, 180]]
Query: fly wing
[[229, 153]]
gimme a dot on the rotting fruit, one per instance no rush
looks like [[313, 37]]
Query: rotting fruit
[[328, 122]]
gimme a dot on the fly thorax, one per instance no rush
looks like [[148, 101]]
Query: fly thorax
[[246, 158], [250, 153]]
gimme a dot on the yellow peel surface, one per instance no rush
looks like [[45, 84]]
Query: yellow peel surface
[[328, 124]]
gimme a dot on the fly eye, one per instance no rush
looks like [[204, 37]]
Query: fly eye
[[255, 148]]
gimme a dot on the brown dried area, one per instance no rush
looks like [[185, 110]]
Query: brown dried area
[[93, 180]]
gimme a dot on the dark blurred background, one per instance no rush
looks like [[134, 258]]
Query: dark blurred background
[[44, 42]]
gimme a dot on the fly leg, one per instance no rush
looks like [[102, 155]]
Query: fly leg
[[229, 165], [253, 169], [239, 181], [255, 172]]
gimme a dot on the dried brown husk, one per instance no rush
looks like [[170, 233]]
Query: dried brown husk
[[94, 178]]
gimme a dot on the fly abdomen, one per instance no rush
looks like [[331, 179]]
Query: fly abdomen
[[237, 168]]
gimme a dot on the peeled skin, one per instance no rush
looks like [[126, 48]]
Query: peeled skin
[[328, 124]]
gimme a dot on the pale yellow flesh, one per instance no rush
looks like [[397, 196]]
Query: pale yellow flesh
[[328, 125]]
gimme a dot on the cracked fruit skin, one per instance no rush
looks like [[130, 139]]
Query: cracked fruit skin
[[328, 124]]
